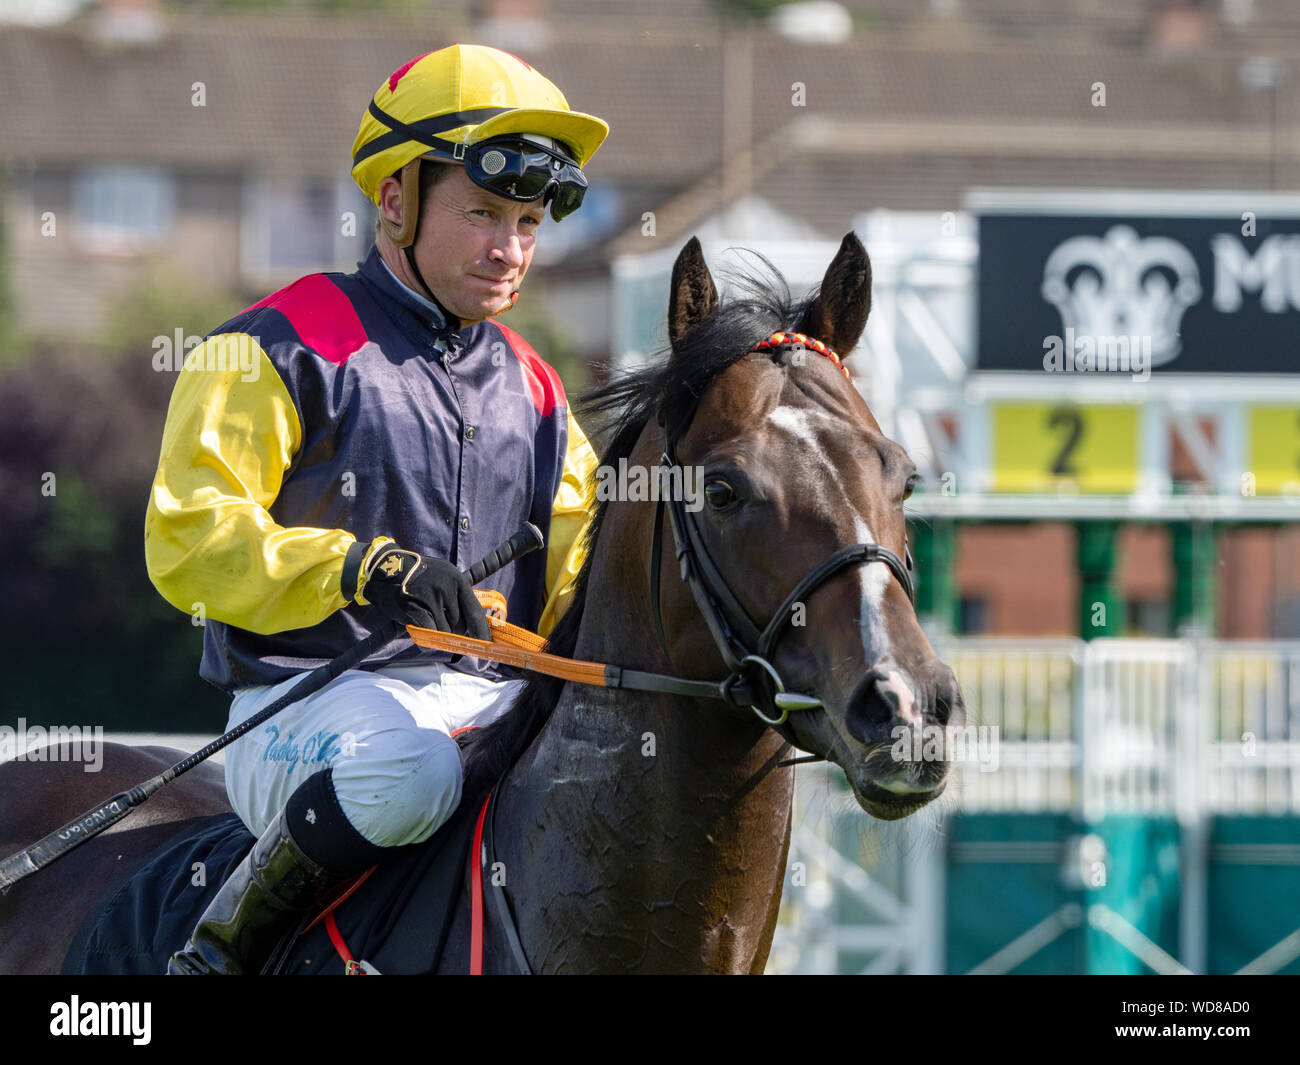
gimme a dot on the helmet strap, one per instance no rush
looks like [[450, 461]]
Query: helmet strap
[[410, 261], [514, 298], [403, 233]]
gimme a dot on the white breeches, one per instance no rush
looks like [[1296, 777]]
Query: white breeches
[[386, 733]]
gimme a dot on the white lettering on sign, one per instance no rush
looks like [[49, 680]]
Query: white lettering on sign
[[1273, 272]]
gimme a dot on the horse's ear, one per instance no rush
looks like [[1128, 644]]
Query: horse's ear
[[839, 313], [693, 294]]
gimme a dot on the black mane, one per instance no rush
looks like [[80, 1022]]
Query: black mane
[[671, 385]]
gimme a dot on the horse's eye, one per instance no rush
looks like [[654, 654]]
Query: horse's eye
[[912, 482], [719, 494]]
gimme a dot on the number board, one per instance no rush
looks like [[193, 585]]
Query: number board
[[1274, 449], [1054, 447]]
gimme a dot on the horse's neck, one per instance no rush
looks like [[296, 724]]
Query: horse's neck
[[642, 832]]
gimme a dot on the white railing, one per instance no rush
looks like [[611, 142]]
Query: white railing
[[1026, 690], [1182, 728], [1175, 727], [1251, 692]]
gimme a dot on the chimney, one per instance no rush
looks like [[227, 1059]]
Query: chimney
[[1178, 26]]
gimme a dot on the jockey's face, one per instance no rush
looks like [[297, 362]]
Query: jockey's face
[[474, 247]]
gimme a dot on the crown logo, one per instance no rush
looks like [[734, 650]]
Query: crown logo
[[1123, 285]]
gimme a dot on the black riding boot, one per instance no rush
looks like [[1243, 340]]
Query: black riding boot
[[273, 886], [276, 885]]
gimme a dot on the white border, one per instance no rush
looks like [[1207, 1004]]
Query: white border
[[1179, 203]]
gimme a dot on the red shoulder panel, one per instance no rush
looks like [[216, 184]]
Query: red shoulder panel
[[543, 381], [321, 315]]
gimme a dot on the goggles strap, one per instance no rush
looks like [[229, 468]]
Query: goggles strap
[[422, 132]]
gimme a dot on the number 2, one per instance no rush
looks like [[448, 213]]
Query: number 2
[[1073, 421]]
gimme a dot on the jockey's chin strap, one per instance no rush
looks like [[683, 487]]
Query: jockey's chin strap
[[753, 682]]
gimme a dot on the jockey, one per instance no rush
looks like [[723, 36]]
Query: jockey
[[338, 453]]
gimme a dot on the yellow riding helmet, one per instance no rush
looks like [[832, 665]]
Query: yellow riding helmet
[[462, 94]]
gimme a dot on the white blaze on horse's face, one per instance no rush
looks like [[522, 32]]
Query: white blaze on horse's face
[[799, 424], [873, 580], [876, 648]]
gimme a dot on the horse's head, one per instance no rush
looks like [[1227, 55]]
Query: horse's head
[[791, 466]]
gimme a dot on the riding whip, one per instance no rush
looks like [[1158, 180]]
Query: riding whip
[[44, 851]]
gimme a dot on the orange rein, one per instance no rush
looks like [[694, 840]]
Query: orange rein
[[510, 644]]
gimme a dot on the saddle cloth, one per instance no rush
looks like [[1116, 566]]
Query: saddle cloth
[[397, 920]]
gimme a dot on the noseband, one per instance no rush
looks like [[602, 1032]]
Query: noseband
[[754, 682]]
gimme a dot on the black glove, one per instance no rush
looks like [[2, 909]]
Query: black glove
[[419, 590]]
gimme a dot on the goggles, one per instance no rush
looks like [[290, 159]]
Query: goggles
[[523, 171]]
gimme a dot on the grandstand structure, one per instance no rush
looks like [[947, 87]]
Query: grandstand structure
[[1138, 791]]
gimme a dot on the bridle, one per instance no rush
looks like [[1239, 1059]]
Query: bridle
[[753, 683]]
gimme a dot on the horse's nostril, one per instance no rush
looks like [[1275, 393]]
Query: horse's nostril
[[872, 709], [949, 706]]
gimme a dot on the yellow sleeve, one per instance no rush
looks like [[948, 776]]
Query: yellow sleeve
[[210, 543], [574, 504]]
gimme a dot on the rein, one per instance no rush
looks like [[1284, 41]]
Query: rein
[[753, 683]]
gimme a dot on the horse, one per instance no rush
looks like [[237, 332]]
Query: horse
[[648, 831]]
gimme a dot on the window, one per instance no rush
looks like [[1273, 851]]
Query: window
[[123, 208], [300, 225], [1146, 617], [597, 219], [973, 616]]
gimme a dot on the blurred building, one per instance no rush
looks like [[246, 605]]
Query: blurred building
[[185, 141]]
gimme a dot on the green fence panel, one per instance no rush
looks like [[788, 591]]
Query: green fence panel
[[1141, 885], [1253, 895], [1010, 885]]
